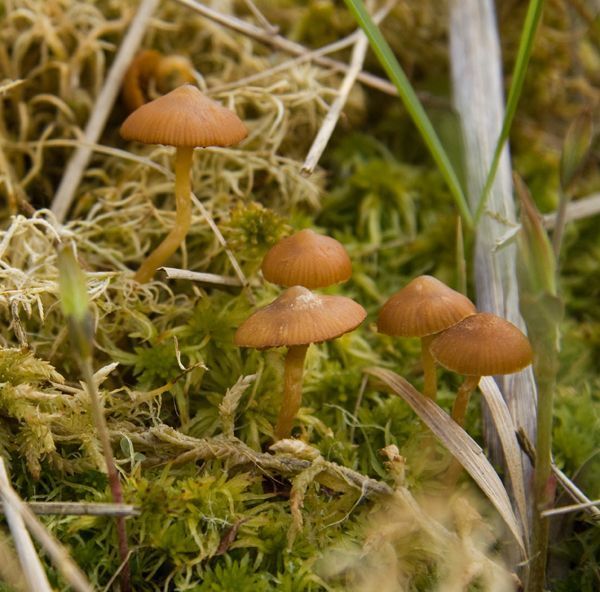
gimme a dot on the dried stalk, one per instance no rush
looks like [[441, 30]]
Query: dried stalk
[[80, 509], [280, 42], [478, 97], [35, 576], [335, 110], [180, 448], [57, 553]]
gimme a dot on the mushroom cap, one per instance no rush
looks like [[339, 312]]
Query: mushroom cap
[[307, 259], [299, 317], [184, 117], [482, 345], [423, 307]]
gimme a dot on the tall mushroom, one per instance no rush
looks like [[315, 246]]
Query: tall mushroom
[[295, 320], [307, 259], [480, 345], [186, 119], [423, 308]]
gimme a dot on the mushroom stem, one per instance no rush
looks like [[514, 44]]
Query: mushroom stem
[[292, 391], [428, 363], [459, 409], [183, 217]]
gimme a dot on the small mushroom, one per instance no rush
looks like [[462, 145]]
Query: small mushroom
[[423, 308], [295, 320], [186, 119], [480, 345], [307, 259]]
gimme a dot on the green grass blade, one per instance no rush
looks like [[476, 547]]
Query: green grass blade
[[412, 104], [532, 19]]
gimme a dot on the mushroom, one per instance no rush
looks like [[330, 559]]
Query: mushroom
[[307, 259], [296, 319], [480, 345], [423, 308], [150, 68], [186, 119]]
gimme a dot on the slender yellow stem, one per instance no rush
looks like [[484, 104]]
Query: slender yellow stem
[[292, 390], [183, 204], [430, 385], [459, 409]]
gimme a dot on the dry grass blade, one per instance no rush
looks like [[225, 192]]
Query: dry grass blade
[[510, 445], [57, 553], [459, 443], [35, 576]]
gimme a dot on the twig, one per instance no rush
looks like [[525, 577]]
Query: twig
[[576, 210], [104, 104], [572, 508], [35, 576], [309, 55], [568, 485], [574, 491], [261, 18], [280, 42], [55, 550], [213, 279], [330, 121], [235, 452], [81, 509]]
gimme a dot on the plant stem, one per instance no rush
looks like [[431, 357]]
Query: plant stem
[[429, 370], [113, 476], [292, 390], [545, 373], [183, 205]]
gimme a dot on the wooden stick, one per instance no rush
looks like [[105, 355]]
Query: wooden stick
[[80, 509], [103, 106]]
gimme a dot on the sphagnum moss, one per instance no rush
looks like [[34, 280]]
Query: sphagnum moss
[[387, 206]]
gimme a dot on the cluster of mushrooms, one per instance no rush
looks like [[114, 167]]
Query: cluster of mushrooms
[[452, 332]]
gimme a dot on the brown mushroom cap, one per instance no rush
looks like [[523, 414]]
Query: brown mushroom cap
[[300, 317], [307, 259], [184, 117], [423, 307], [482, 345]]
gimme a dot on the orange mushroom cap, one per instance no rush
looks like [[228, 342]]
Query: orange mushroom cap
[[423, 307], [300, 317], [184, 117], [307, 259], [482, 345]]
